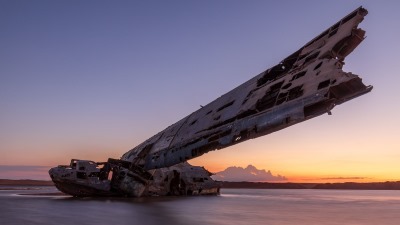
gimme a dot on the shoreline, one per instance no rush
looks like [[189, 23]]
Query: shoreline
[[26, 182], [388, 185]]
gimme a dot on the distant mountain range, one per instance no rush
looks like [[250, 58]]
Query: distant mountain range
[[250, 173]]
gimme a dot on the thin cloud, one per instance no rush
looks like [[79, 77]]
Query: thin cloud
[[24, 172], [14, 168], [343, 178]]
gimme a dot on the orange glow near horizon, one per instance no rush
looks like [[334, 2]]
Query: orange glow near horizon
[[307, 158], [297, 165]]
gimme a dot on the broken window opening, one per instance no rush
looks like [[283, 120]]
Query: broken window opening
[[281, 98], [286, 86], [318, 66], [298, 75], [324, 84], [289, 61], [273, 74], [267, 101], [290, 95], [276, 87], [311, 57], [225, 106], [295, 92]]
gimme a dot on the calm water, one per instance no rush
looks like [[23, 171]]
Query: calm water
[[234, 206]]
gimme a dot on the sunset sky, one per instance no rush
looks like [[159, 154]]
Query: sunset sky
[[92, 79]]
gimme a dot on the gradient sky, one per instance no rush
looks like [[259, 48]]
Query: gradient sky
[[92, 79]]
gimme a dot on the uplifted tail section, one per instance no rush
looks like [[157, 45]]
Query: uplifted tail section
[[308, 83]]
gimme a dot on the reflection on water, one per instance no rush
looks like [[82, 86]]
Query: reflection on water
[[234, 206]]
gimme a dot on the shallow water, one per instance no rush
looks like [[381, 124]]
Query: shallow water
[[233, 206]]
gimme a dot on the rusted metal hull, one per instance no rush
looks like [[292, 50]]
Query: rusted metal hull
[[82, 190], [306, 84], [121, 180]]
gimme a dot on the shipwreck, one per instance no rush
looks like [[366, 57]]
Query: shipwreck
[[308, 83]]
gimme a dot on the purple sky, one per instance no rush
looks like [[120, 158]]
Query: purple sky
[[92, 79]]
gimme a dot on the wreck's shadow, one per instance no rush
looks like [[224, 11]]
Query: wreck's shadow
[[141, 200], [151, 210]]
